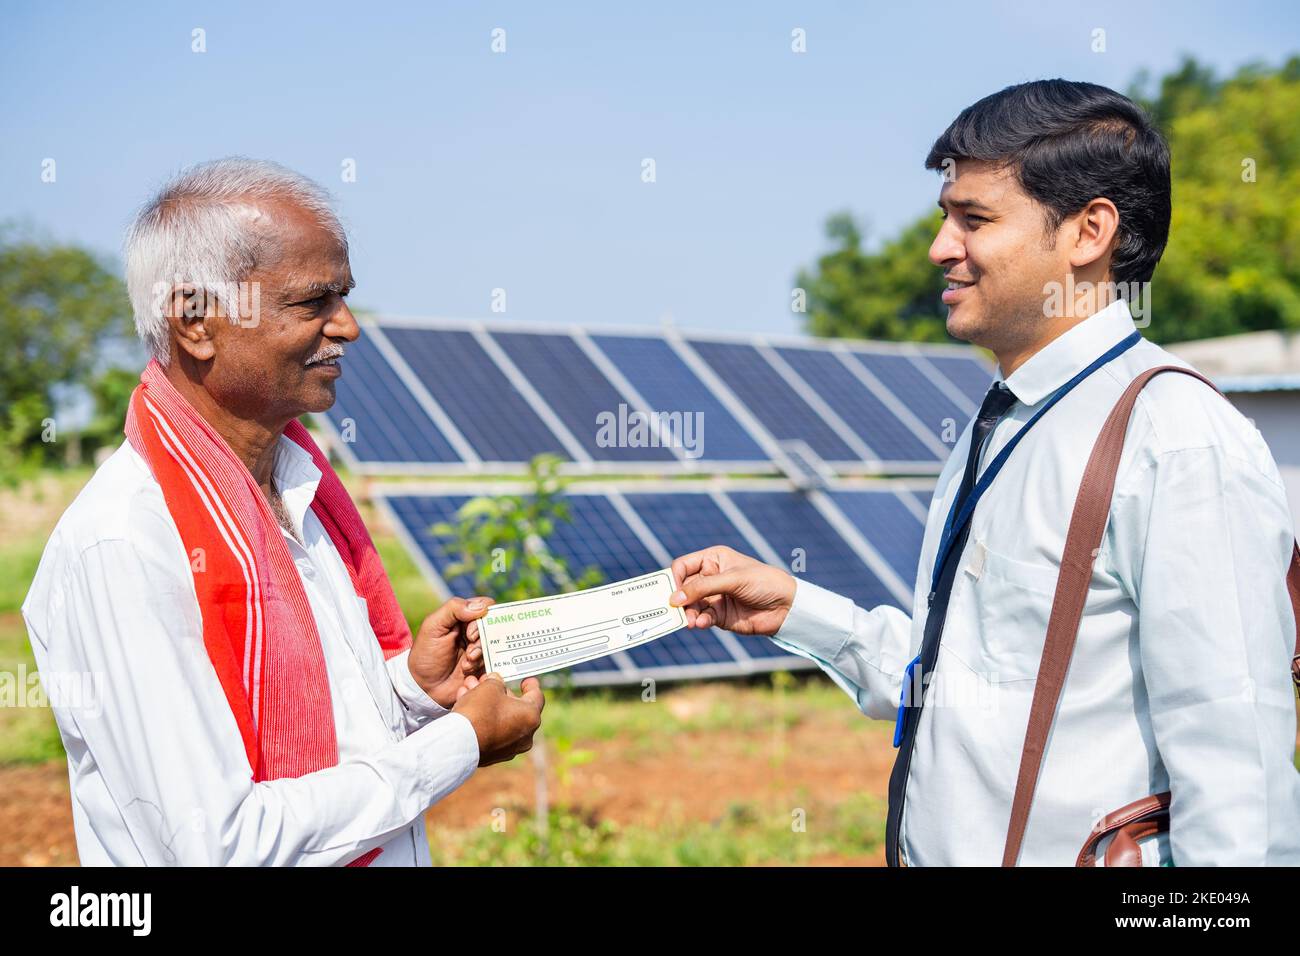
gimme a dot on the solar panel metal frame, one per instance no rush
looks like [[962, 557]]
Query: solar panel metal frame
[[936, 374], [910, 350], [679, 341], [370, 466], [580, 464], [928, 372], [888, 399], [752, 430], [718, 489], [482, 461]]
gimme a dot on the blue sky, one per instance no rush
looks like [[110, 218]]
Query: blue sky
[[522, 170]]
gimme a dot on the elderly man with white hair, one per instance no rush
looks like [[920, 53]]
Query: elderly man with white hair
[[259, 698]]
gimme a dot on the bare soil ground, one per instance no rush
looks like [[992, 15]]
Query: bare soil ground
[[697, 778]]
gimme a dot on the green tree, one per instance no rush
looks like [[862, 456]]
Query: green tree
[[890, 294], [59, 307], [110, 392], [500, 541], [1188, 88], [1233, 259]]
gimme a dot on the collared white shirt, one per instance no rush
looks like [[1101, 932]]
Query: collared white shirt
[[1180, 674], [157, 766]]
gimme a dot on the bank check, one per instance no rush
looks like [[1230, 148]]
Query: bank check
[[525, 638]]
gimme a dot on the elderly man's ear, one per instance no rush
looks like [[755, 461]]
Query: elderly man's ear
[[188, 315]]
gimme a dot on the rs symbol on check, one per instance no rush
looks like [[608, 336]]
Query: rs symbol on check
[[644, 616]]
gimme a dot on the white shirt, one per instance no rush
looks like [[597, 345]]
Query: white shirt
[[1180, 677], [157, 766]]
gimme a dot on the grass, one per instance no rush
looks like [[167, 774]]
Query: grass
[[746, 834], [767, 702], [27, 734], [28, 515], [18, 561]]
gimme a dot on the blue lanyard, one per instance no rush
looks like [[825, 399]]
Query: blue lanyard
[[952, 527], [956, 521]]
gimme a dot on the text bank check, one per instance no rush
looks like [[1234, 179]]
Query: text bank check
[[524, 638]]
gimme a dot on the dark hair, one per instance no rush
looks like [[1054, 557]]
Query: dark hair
[[1068, 144]]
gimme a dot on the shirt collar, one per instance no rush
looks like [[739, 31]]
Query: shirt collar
[[296, 478], [1070, 353]]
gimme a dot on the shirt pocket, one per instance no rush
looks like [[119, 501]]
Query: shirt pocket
[[1007, 608]]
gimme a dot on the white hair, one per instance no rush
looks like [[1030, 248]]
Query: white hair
[[196, 229]]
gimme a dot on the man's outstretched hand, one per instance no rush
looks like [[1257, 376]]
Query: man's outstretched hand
[[724, 588], [446, 656]]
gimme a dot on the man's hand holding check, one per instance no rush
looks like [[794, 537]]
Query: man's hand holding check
[[447, 662], [720, 587]]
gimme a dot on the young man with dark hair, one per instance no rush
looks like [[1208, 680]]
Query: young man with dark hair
[[1056, 201]]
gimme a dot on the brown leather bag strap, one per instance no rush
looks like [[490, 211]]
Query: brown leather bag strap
[[1087, 526], [1293, 586]]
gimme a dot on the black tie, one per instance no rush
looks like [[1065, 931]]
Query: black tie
[[996, 402]]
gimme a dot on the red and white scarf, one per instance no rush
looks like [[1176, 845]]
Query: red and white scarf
[[258, 626]]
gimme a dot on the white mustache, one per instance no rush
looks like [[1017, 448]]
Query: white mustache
[[333, 350]]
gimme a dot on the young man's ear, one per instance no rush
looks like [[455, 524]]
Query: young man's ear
[[187, 314], [1095, 231]]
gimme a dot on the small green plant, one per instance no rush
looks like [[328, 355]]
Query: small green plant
[[500, 541]]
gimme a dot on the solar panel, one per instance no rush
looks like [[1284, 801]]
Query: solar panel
[[799, 533], [668, 384], [936, 412], [685, 522], [576, 390], [790, 527], [860, 409], [446, 396], [417, 515], [385, 423], [477, 396], [892, 528], [432, 396], [970, 375], [771, 399]]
